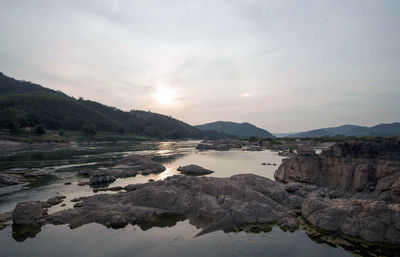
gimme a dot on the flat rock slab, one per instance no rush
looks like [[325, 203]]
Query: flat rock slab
[[194, 170]]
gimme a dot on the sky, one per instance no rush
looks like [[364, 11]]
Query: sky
[[282, 65]]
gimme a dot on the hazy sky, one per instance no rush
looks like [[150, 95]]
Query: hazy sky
[[281, 65]]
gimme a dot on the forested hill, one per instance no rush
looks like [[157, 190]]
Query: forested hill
[[27, 104], [389, 129], [241, 130]]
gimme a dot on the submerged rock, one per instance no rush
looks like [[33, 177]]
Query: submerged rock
[[194, 170]]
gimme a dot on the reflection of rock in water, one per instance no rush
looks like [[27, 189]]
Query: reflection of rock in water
[[20, 233], [354, 245], [163, 221]]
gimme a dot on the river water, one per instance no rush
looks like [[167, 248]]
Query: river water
[[174, 238]]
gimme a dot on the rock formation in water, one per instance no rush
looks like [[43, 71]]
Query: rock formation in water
[[210, 203], [129, 166], [365, 179], [194, 170]]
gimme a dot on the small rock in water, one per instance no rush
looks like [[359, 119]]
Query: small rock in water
[[67, 183], [55, 200], [193, 169]]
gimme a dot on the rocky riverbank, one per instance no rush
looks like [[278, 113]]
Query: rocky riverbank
[[349, 189], [363, 179]]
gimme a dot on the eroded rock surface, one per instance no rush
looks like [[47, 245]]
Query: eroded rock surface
[[129, 166], [351, 166], [194, 170], [358, 191], [210, 203]]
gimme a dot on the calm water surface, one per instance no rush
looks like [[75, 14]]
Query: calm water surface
[[177, 239]]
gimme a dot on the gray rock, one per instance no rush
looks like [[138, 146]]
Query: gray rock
[[78, 205], [101, 177], [29, 213], [128, 166], [369, 219], [118, 221], [55, 200], [355, 166], [210, 203], [292, 187], [195, 170]]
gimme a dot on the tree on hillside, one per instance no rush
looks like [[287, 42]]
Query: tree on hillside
[[89, 129], [39, 129]]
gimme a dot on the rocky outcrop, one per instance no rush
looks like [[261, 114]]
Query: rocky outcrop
[[372, 220], [209, 203], [129, 166], [359, 188], [357, 166], [194, 170]]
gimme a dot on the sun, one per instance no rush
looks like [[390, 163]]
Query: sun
[[164, 95]]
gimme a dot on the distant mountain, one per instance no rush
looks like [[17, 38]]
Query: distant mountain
[[242, 130], [29, 104], [390, 129], [283, 134]]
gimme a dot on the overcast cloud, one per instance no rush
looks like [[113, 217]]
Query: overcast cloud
[[282, 65]]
